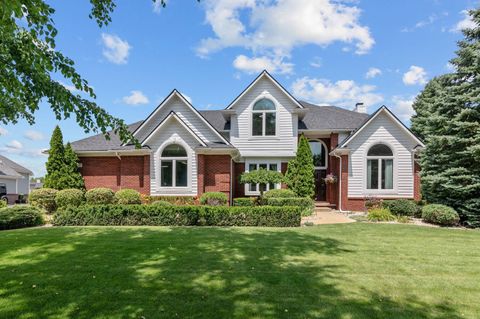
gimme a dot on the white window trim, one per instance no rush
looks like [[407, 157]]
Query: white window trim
[[258, 162], [264, 95], [182, 189], [326, 153], [380, 191]]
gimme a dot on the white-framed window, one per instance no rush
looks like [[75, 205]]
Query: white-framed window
[[319, 153], [264, 118], [174, 166], [380, 167], [254, 189]]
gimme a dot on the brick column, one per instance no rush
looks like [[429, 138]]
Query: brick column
[[344, 177], [417, 184], [200, 174]]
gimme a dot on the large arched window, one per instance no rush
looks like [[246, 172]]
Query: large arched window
[[380, 167], [319, 152], [174, 166], [264, 118]]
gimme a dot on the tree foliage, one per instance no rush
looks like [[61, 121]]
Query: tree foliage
[[300, 176], [72, 177], [448, 119], [261, 177]]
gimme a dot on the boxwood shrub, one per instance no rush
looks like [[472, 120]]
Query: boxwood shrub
[[401, 207], [214, 199], [69, 197], [20, 216], [43, 198], [440, 215], [244, 201], [279, 193], [100, 196], [127, 196]]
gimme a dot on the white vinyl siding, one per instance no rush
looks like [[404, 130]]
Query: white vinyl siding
[[381, 130], [17, 186], [284, 143]]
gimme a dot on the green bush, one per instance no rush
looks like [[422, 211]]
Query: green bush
[[128, 196], [275, 193], [440, 215], [43, 198], [100, 196], [20, 216], [306, 203], [3, 203], [372, 203], [403, 219], [245, 201], [157, 215], [214, 199], [69, 197], [401, 207], [380, 215], [161, 203], [175, 200]]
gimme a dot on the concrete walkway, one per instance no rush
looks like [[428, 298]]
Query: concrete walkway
[[326, 215]]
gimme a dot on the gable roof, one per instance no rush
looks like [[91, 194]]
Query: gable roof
[[386, 110], [271, 78], [10, 168]]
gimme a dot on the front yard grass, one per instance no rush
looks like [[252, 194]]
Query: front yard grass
[[332, 271]]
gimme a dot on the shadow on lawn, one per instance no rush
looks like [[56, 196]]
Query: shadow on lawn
[[186, 272]]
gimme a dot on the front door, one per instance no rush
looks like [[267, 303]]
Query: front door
[[320, 186]]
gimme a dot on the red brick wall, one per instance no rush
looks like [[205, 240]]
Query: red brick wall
[[238, 188], [214, 174], [417, 191], [112, 172]]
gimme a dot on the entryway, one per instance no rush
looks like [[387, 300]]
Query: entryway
[[320, 186]]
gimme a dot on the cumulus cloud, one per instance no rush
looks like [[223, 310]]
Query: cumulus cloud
[[115, 49], [135, 98], [344, 93], [415, 75], [14, 144], [373, 72], [3, 131], [465, 23], [275, 28], [33, 135], [402, 107], [258, 64]]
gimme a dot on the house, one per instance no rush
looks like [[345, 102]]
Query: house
[[14, 180], [186, 152]]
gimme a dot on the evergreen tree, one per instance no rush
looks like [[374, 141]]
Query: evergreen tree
[[71, 177], [56, 160], [300, 176], [448, 118]]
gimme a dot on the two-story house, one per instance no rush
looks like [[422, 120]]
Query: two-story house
[[186, 152]]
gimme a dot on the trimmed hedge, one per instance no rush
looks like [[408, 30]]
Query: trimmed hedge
[[43, 198], [3, 203], [161, 203], [20, 216], [305, 203], [175, 200], [245, 201], [214, 199], [100, 196], [440, 215], [127, 196], [155, 215], [69, 197], [401, 207], [275, 193]]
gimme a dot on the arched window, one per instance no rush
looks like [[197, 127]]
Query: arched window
[[319, 152], [264, 118], [380, 167], [174, 166]]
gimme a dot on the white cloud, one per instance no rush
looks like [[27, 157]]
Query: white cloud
[[415, 75], [188, 98], [3, 131], [34, 135], [402, 107], [344, 93], [258, 64], [373, 72], [157, 5], [135, 98], [115, 49], [428, 21], [275, 28], [465, 23], [30, 152], [14, 144], [316, 62]]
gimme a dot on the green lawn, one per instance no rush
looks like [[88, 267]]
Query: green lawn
[[336, 271]]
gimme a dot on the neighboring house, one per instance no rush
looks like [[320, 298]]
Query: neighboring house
[[186, 152], [14, 178]]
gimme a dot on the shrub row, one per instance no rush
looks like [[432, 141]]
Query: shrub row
[[245, 201], [159, 215], [20, 216], [175, 200]]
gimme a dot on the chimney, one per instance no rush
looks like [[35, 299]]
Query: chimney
[[360, 108]]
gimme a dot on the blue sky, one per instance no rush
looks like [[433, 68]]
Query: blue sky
[[323, 51]]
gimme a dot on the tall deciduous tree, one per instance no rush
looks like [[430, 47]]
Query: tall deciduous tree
[[300, 176], [448, 118], [56, 160]]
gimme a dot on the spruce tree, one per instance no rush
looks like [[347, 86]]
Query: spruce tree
[[300, 176], [56, 160], [71, 177]]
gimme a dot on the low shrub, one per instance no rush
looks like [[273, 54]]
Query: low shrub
[[245, 201], [306, 203], [440, 215], [69, 197], [43, 198], [380, 215], [20, 216], [100, 196], [275, 193], [373, 203], [158, 215], [403, 219], [214, 199], [401, 207], [161, 203], [127, 197], [175, 200], [3, 203]]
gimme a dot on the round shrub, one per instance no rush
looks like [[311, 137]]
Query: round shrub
[[440, 215], [43, 198], [99, 196], [161, 203], [128, 196], [69, 197], [380, 215], [401, 207], [214, 199], [20, 216], [275, 193]]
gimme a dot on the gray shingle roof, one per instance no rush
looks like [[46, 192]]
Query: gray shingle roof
[[10, 168], [330, 117], [215, 117]]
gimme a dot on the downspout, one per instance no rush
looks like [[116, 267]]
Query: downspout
[[340, 185]]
